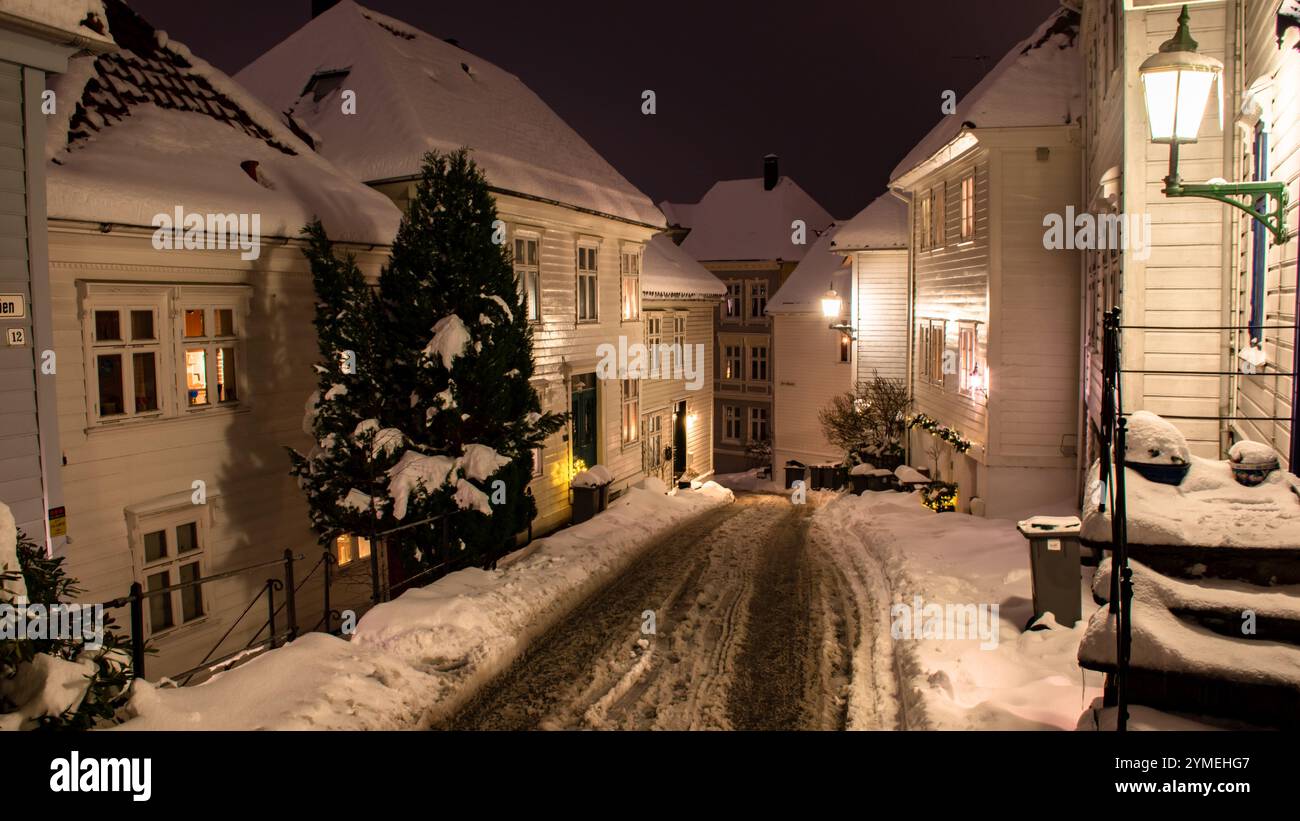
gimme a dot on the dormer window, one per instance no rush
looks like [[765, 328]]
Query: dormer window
[[323, 83]]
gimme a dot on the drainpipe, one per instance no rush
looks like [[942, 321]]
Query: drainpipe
[[911, 315]]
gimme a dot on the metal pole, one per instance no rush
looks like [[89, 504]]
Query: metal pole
[[290, 601], [374, 564], [326, 559], [1119, 565], [1293, 463], [270, 607], [137, 630]]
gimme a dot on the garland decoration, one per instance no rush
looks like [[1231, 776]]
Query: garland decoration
[[941, 497], [947, 434]]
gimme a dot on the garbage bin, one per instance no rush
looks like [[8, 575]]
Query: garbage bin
[[1054, 565], [794, 471], [841, 476], [587, 502]]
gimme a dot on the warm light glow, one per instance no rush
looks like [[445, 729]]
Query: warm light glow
[[1176, 100], [831, 305]]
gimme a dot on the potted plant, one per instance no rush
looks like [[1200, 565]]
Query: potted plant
[[869, 422]]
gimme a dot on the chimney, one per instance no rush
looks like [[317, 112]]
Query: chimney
[[319, 7], [770, 172]]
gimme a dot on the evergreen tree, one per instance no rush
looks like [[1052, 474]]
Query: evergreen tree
[[439, 415]]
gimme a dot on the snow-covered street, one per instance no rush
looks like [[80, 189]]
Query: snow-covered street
[[753, 628]]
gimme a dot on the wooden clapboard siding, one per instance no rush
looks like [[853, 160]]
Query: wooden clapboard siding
[[808, 376], [255, 509], [659, 396], [1033, 368], [881, 310], [1181, 282], [951, 283], [1265, 397], [21, 485]]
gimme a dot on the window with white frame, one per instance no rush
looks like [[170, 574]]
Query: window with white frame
[[631, 395], [733, 353], [732, 424], [733, 305], [932, 333], [757, 363], [679, 333], [630, 275], [758, 428], [538, 462], [940, 215], [588, 293], [969, 373], [211, 353], [654, 337], [924, 220], [757, 299], [161, 351], [170, 550], [968, 206], [350, 548], [127, 354], [653, 455], [528, 273]]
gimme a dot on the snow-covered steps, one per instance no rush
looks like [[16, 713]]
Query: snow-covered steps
[[1208, 647]]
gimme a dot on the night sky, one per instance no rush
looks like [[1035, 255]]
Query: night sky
[[840, 90]]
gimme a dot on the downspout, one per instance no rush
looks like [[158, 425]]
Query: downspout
[[911, 312]]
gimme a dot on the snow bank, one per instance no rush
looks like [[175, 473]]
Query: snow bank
[[417, 658], [1209, 508], [1030, 680]]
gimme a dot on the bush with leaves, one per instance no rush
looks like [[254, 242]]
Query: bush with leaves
[[869, 421], [47, 583]]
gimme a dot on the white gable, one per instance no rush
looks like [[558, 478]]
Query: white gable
[[667, 271], [739, 220]]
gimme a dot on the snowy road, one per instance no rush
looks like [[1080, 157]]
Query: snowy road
[[753, 627]]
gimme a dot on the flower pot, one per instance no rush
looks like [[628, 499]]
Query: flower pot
[[1161, 473], [1251, 474]]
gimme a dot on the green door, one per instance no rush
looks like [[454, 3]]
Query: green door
[[584, 418]]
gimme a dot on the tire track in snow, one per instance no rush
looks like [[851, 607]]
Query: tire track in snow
[[720, 588]]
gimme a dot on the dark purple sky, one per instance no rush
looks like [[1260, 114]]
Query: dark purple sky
[[840, 89]]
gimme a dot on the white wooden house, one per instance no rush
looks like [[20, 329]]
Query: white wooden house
[[35, 41], [680, 298], [182, 372], [750, 233], [1211, 297], [995, 312], [375, 94], [864, 260]]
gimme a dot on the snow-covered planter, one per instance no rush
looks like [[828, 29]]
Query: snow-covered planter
[[941, 497], [1252, 462], [1156, 449]]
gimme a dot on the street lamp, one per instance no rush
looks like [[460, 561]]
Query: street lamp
[[1176, 84], [831, 307]]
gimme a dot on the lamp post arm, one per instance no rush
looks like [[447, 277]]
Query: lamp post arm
[[1274, 218]]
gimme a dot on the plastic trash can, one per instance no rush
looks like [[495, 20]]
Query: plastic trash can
[[1055, 567], [794, 472], [587, 502]]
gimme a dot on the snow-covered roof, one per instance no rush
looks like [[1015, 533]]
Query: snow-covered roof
[[77, 22], [1037, 83], [417, 93], [668, 272], [739, 220], [154, 128], [881, 225], [820, 268]]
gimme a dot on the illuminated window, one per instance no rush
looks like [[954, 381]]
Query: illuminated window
[[211, 357], [588, 294], [350, 548], [631, 392], [528, 273], [733, 306], [630, 270]]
